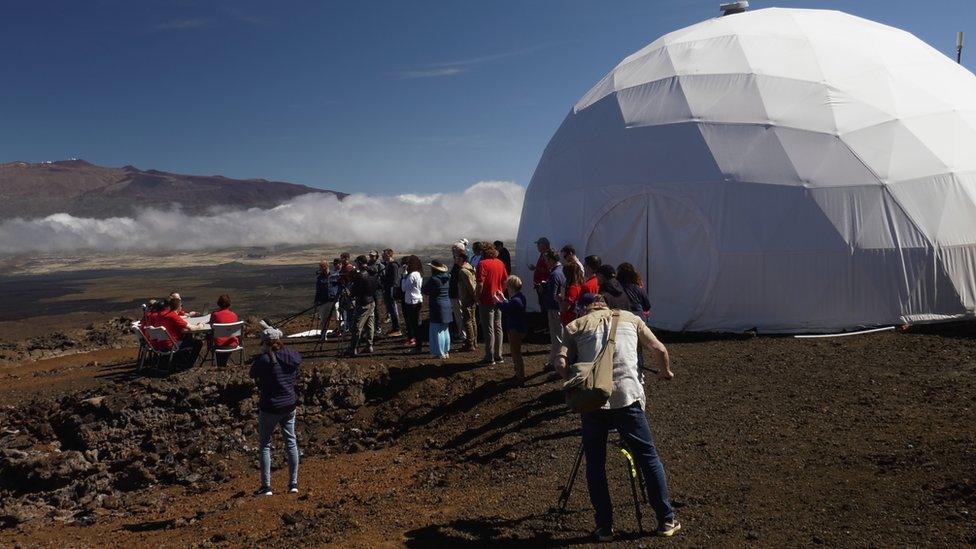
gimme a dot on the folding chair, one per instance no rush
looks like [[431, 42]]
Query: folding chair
[[158, 334], [231, 329], [144, 347]]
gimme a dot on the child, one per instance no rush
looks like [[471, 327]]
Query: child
[[513, 307]]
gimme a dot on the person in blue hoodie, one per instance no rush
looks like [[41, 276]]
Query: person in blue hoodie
[[275, 372], [437, 289]]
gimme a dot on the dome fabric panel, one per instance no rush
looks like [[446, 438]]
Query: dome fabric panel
[[782, 169]]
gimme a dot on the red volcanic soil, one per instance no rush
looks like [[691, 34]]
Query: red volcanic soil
[[859, 441]]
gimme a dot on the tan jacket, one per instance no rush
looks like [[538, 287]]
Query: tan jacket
[[467, 293], [585, 336]]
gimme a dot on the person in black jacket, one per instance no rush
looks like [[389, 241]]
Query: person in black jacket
[[611, 290], [504, 255], [362, 292], [326, 295], [390, 281], [275, 372], [634, 288]]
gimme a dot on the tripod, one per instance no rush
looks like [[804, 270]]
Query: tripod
[[633, 472]]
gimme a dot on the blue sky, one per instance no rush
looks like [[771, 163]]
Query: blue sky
[[380, 97]]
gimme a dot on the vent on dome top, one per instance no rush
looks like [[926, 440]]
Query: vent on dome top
[[734, 7]]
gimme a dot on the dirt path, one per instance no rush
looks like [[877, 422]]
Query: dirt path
[[864, 441]]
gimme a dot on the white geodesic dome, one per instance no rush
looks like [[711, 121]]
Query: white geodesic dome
[[789, 170]]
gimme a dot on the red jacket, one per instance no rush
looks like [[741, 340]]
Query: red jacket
[[491, 277], [541, 272], [573, 293], [591, 286], [174, 324], [224, 316]]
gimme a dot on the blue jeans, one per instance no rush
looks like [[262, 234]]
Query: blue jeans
[[631, 423], [266, 425], [439, 339], [391, 309]]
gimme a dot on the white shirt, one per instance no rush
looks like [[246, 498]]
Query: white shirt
[[411, 288], [578, 262]]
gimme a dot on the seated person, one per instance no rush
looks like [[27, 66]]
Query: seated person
[[178, 330], [223, 315], [179, 307]]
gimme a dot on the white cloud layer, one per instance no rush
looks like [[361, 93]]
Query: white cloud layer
[[486, 210]]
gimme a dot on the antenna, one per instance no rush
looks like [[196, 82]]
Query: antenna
[[734, 7], [959, 47]]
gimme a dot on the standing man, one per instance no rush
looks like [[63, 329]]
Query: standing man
[[326, 294], [362, 292], [457, 324], [540, 271], [549, 302], [389, 280], [375, 267], [625, 410], [467, 292], [491, 280], [504, 255], [569, 256]]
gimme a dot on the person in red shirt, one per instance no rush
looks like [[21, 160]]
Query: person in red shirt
[[590, 265], [540, 271], [491, 280], [223, 315], [177, 327], [573, 291]]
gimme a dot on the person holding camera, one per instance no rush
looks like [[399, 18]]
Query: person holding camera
[[362, 292], [624, 411]]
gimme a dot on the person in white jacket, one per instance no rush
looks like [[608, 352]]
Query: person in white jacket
[[413, 301]]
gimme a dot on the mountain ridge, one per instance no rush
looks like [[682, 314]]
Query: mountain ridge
[[83, 189]]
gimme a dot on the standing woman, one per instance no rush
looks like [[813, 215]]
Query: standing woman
[[634, 288], [512, 304], [573, 291], [437, 289], [275, 372], [413, 300]]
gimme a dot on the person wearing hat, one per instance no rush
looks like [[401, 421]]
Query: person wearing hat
[[437, 290], [275, 372], [540, 271]]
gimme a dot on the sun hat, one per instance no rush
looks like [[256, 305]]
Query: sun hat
[[438, 266]]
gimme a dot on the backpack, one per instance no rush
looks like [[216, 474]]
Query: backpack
[[591, 383]]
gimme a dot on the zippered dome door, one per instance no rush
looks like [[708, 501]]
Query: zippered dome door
[[670, 244]]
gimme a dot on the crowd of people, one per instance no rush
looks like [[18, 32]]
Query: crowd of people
[[473, 304]]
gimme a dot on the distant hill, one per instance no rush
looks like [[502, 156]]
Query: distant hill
[[86, 190]]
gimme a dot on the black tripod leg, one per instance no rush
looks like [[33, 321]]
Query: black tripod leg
[[563, 500]]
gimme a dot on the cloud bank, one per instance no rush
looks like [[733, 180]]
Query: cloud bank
[[488, 210]]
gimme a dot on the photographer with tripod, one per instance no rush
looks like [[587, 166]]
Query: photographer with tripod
[[624, 410]]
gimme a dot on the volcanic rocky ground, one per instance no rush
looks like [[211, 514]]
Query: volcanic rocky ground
[[768, 441]]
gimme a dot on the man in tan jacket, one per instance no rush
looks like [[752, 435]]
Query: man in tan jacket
[[624, 411], [468, 298]]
